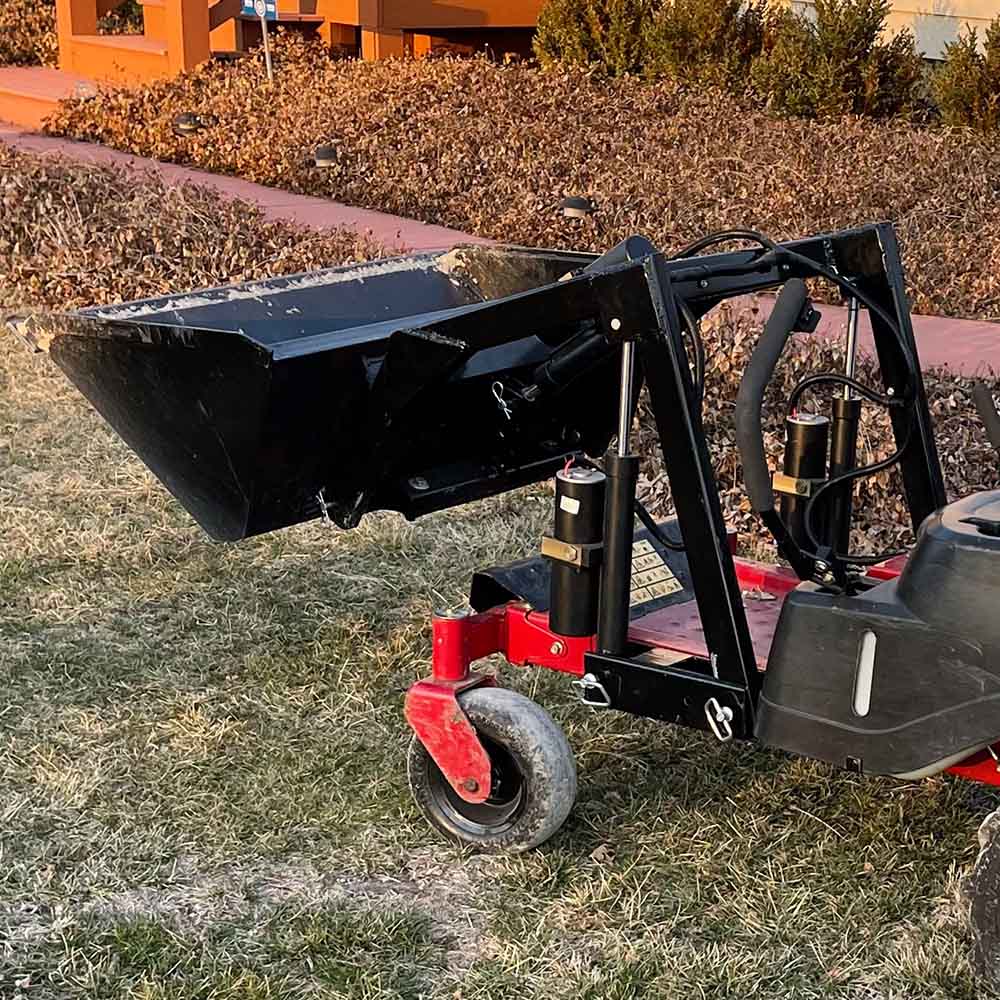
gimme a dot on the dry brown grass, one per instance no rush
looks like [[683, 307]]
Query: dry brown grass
[[28, 33], [492, 150]]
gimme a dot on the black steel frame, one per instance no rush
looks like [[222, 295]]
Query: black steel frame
[[645, 299], [639, 300]]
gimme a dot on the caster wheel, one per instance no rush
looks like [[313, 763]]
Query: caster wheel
[[533, 777], [982, 892]]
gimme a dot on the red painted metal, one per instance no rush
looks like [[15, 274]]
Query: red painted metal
[[678, 627], [524, 638], [459, 640], [529, 642], [522, 635], [432, 706], [775, 580], [981, 766], [433, 711]]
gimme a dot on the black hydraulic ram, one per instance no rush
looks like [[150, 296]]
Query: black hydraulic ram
[[806, 436], [622, 469], [843, 458], [574, 551], [844, 443]]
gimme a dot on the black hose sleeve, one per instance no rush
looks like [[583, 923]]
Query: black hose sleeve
[[750, 398], [828, 378], [649, 523], [986, 408]]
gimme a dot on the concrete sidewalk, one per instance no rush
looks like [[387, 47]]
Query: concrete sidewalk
[[966, 346]]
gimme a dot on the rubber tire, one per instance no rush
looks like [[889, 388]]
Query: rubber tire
[[541, 753], [982, 892]]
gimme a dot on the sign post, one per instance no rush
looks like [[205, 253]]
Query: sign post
[[266, 10]]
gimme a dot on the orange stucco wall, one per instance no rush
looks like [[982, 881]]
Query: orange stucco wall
[[424, 14]]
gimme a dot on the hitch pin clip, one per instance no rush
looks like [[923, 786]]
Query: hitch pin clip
[[501, 402]]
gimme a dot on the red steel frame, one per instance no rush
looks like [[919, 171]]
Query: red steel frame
[[523, 637]]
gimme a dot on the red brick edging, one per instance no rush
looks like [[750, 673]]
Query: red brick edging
[[391, 231]]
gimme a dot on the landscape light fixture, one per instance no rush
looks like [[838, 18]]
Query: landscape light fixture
[[187, 124], [574, 207], [325, 156]]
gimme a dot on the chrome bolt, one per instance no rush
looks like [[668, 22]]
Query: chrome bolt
[[557, 648], [470, 785]]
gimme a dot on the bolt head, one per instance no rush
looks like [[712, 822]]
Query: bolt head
[[557, 648], [470, 785], [616, 324]]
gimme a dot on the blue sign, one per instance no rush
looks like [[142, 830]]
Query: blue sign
[[266, 9]]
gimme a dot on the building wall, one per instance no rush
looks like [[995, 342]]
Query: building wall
[[936, 23]]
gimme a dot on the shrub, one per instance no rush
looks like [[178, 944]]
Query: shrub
[[28, 33], [493, 150], [839, 63], [28, 30], [966, 87], [709, 41], [608, 35]]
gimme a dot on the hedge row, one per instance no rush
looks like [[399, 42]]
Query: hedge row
[[75, 234], [492, 150], [839, 59]]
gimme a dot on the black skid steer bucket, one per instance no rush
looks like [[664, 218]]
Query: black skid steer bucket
[[410, 384]]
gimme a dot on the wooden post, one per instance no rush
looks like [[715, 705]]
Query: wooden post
[[187, 34], [73, 17]]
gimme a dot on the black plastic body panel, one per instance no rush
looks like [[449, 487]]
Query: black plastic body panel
[[935, 682]]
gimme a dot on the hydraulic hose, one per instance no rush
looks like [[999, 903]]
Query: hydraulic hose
[[750, 398]]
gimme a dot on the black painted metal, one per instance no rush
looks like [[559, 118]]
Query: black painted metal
[[420, 384], [694, 488], [613, 616], [805, 459], [843, 458], [385, 386], [672, 693]]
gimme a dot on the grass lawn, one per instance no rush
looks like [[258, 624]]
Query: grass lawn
[[202, 790]]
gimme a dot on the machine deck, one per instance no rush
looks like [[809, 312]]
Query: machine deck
[[678, 627]]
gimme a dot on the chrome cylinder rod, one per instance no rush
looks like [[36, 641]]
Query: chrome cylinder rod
[[625, 400], [853, 309]]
